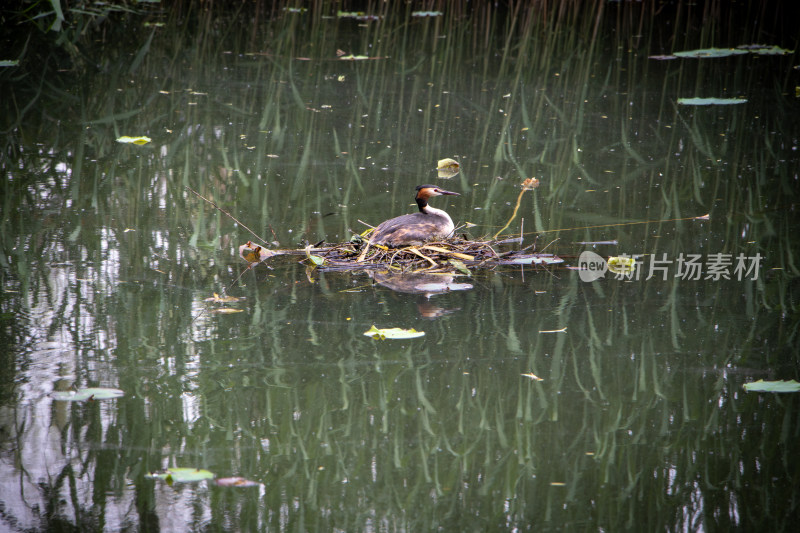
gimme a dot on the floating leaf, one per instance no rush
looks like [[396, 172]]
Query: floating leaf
[[315, 260], [9, 62], [710, 52], [226, 310], [426, 13], [447, 168], [235, 481], [772, 386], [134, 140], [181, 475], [621, 265], [447, 163], [96, 393], [217, 299], [393, 333], [461, 267], [711, 101], [763, 49]]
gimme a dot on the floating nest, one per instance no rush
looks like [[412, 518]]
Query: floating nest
[[445, 256]]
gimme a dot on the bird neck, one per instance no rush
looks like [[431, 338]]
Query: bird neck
[[432, 211], [422, 203]]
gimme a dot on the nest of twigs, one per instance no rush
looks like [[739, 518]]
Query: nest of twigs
[[445, 256]]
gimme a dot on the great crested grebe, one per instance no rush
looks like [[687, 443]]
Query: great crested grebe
[[428, 225]]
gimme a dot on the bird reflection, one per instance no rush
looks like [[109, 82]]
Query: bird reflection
[[425, 284]]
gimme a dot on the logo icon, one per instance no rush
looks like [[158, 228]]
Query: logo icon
[[591, 266]]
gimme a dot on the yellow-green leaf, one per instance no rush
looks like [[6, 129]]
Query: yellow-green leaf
[[621, 265], [772, 386], [461, 267], [393, 333], [181, 475]]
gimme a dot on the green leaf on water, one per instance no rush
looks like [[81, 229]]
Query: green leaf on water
[[772, 386], [426, 13], [461, 267], [314, 259], [134, 140], [96, 393], [181, 475], [393, 333], [9, 62], [711, 52], [711, 101], [764, 50]]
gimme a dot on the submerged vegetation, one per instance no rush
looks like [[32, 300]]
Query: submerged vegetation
[[303, 123]]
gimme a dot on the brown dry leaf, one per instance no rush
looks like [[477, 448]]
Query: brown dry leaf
[[217, 299], [226, 311], [530, 184]]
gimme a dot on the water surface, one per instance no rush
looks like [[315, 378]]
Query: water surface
[[639, 420]]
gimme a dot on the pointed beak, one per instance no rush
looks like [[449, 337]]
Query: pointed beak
[[442, 191]]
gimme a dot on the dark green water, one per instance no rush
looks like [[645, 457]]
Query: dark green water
[[639, 422]]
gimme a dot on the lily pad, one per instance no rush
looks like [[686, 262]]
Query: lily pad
[[772, 386], [393, 333], [181, 475], [711, 52], [134, 140], [711, 101], [95, 393]]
